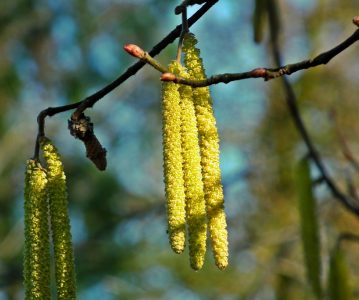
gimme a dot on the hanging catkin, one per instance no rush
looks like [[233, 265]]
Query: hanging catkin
[[195, 203], [172, 164], [60, 223], [37, 245], [209, 147]]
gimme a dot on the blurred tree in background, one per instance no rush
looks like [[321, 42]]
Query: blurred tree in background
[[58, 52]]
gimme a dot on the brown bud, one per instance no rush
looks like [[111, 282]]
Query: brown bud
[[259, 72], [356, 20], [168, 77], [134, 50]]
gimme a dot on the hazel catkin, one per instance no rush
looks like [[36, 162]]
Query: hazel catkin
[[60, 223], [37, 244], [195, 203], [172, 164], [209, 147]]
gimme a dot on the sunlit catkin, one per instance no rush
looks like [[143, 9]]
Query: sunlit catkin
[[60, 223], [37, 245], [209, 146], [195, 203], [172, 164]]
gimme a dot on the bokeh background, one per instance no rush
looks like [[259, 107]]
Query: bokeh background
[[58, 52]]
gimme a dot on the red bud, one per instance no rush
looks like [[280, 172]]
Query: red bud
[[356, 20], [134, 50], [168, 77], [259, 72]]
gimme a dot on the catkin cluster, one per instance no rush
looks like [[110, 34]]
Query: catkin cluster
[[37, 243], [46, 200], [191, 163]]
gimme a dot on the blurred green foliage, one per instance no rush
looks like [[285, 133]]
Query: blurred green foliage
[[338, 279], [57, 52], [307, 207]]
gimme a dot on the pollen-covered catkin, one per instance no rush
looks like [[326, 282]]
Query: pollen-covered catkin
[[209, 146], [37, 244], [60, 223], [172, 164], [195, 203]]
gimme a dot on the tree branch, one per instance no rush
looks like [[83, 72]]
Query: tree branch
[[183, 6], [170, 38], [183, 32], [269, 73], [347, 236], [294, 111], [132, 70], [50, 111]]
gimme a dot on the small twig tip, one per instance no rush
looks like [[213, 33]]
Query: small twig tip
[[134, 50], [168, 77]]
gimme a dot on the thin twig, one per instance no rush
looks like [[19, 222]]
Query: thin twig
[[183, 6], [220, 78], [347, 236], [294, 111], [183, 32], [271, 73], [92, 99], [292, 105], [48, 112], [141, 54], [170, 38], [352, 190], [348, 154]]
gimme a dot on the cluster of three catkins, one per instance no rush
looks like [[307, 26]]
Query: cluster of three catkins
[[193, 186]]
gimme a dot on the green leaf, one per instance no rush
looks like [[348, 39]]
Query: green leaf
[[338, 285], [309, 226]]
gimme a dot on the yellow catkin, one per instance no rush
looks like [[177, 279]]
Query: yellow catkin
[[37, 244], [172, 165], [60, 223], [195, 203], [209, 145]]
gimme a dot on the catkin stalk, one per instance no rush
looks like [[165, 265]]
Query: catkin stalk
[[209, 147], [60, 223], [195, 203], [172, 165], [37, 244]]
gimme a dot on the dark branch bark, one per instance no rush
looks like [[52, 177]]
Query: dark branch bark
[[170, 38], [180, 8], [92, 99], [270, 73], [291, 99]]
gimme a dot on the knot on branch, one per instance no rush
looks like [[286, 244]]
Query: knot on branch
[[83, 129]]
